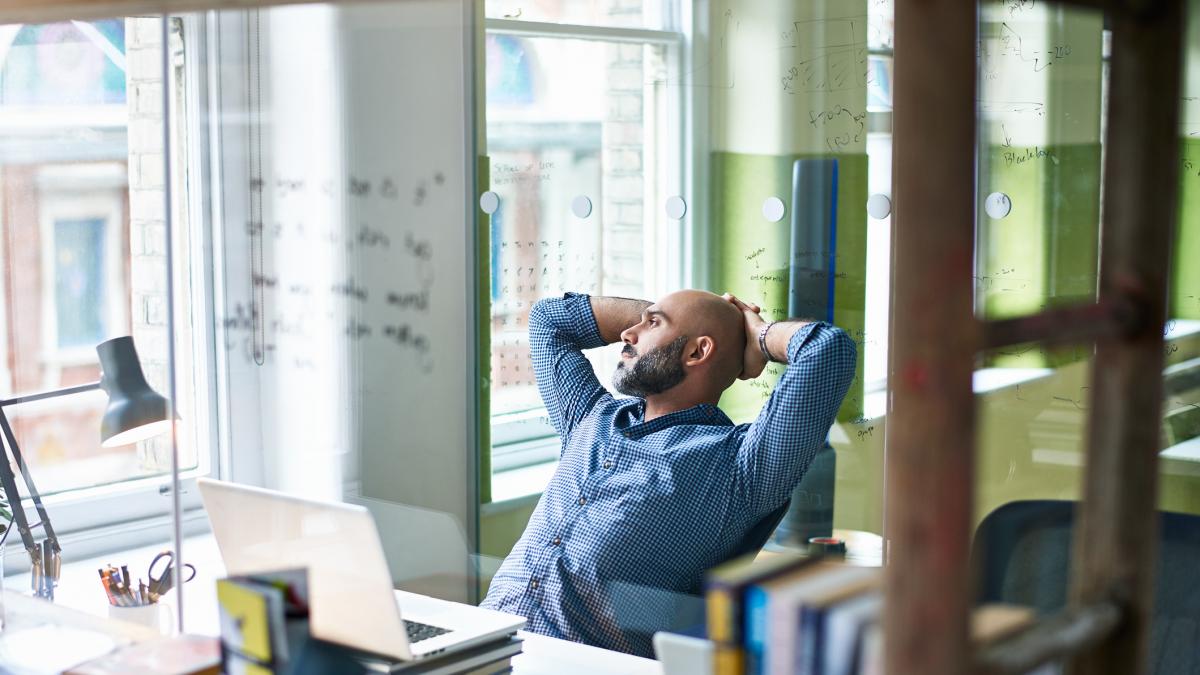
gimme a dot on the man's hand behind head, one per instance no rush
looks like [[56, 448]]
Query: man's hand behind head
[[753, 360]]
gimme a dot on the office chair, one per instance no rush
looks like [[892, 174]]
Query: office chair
[[1022, 553]]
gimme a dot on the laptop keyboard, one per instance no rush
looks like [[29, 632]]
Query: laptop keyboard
[[422, 631]]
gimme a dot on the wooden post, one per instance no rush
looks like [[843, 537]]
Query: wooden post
[[934, 337], [1117, 533]]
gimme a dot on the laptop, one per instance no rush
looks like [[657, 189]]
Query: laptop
[[353, 602]]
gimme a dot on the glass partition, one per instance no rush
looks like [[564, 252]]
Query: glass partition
[[93, 134], [342, 197], [367, 200]]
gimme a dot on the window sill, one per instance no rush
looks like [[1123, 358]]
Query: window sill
[[516, 486]]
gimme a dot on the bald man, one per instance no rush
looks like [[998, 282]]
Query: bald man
[[654, 489]]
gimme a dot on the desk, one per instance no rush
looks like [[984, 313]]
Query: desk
[[79, 588], [41, 637], [864, 549], [23, 611]]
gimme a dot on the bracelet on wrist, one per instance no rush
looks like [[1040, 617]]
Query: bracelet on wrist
[[762, 340]]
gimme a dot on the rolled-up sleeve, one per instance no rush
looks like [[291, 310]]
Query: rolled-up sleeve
[[559, 330], [794, 424]]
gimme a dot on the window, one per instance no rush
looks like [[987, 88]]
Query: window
[[83, 257], [79, 281], [583, 133], [83, 239]]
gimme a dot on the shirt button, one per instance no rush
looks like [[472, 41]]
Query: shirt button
[[607, 464], [557, 541], [582, 501], [533, 583]]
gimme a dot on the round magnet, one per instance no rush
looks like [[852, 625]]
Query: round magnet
[[676, 207], [997, 205], [581, 206], [489, 202], [773, 209], [879, 206]]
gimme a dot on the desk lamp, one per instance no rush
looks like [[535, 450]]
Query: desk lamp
[[135, 412]]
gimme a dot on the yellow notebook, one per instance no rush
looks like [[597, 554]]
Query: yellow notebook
[[245, 619]]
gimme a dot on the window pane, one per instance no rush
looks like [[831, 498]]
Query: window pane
[[622, 13], [79, 293], [83, 238], [567, 121]]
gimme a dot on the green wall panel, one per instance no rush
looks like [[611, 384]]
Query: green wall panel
[[1185, 277], [1044, 253], [750, 255], [483, 325]]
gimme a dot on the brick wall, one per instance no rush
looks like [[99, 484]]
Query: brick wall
[[147, 227], [622, 213], [23, 282]]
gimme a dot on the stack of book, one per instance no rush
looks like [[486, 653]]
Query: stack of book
[[490, 658], [265, 631], [797, 615]]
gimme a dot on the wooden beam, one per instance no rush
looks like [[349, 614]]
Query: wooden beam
[[1117, 531], [1061, 635], [1128, 7], [934, 336], [1065, 325]]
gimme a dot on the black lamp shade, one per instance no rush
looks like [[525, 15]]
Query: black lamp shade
[[135, 411]]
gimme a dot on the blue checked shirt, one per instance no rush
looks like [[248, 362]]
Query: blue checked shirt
[[637, 510]]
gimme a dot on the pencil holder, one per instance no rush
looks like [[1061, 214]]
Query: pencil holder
[[157, 615]]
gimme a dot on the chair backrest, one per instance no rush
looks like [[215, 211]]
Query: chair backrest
[[1022, 554], [756, 537]]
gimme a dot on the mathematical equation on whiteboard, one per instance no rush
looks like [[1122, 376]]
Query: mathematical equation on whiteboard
[[530, 269], [297, 309]]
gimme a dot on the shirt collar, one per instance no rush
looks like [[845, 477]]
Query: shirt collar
[[629, 418]]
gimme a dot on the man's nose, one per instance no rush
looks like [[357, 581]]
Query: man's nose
[[629, 336]]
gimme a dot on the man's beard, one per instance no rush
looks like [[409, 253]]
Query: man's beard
[[654, 372]]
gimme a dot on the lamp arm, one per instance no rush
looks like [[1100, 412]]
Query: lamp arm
[[65, 391], [9, 481]]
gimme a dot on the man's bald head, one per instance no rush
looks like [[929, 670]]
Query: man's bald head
[[700, 313]]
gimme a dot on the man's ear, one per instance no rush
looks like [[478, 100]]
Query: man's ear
[[703, 351]]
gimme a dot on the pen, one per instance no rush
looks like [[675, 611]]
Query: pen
[[104, 581]]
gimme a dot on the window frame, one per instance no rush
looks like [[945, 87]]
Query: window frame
[[79, 192], [879, 122], [99, 519], [526, 438]]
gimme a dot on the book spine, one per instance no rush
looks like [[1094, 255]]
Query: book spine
[[756, 630], [815, 663], [807, 641], [728, 659], [721, 619], [720, 615]]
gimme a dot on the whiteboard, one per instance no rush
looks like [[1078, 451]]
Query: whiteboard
[[347, 175]]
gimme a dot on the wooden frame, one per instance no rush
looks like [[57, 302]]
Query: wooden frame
[[935, 337]]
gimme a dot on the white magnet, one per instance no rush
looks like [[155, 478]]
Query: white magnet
[[676, 207], [581, 206], [773, 209], [489, 202], [879, 206], [997, 205]]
